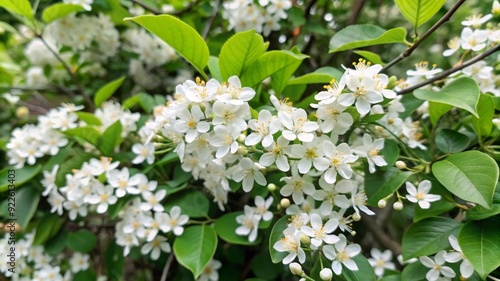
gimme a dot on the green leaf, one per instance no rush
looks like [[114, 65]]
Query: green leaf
[[57, 244], [87, 133], [411, 104], [322, 75], [279, 79], [26, 204], [241, 50], [451, 141], [89, 118], [462, 93], [19, 7], [86, 275], [195, 247], [428, 236], [114, 260], [264, 268], [213, 67], [363, 35], [226, 229], [19, 176], [479, 243], [192, 203], [268, 64], [447, 203], [59, 10], [385, 183], [47, 228], [371, 57], [436, 110], [486, 110], [414, 272], [277, 234], [82, 241], [107, 91], [74, 161], [390, 152], [117, 13], [417, 12], [364, 273], [180, 36], [470, 175], [111, 138], [480, 212]]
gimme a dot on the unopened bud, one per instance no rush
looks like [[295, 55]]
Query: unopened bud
[[393, 81], [302, 279], [326, 274], [295, 268], [285, 202], [305, 239], [271, 187], [400, 165], [495, 10], [242, 150], [242, 138], [22, 112], [353, 233], [382, 203], [398, 206], [356, 217]]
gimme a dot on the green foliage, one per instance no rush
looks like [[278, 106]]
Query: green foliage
[[428, 236], [226, 229], [322, 75], [486, 112], [383, 183], [81, 241], [59, 10], [180, 36], [21, 176], [27, 200], [195, 247], [471, 175], [192, 203], [364, 35], [277, 234], [370, 56], [47, 228], [479, 243], [419, 11], [107, 90], [19, 7], [111, 138], [480, 212], [364, 272], [450, 141]]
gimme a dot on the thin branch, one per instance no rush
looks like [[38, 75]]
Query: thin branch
[[211, 19], [417, 43], [357, 7], [33, 107], [167, 267], [380, 235], [493, 278], [146, 7], [450, 71], [187, 8]]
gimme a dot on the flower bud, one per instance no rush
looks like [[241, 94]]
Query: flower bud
[[242, 150], [400, 165], [285, 202], [495, 10], [326, 274], [295, 268], [393, 81], [356, 217], [22, 112], [381, 203], [271, 187], [305, 239], [302, 279], [353, 233], [398, 206], [242, 138]]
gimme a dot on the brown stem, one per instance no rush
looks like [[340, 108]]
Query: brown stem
[[356, 9], [211, 19], [167, 267], [146, 7], [380, 235], [406, 53], [450, 71]]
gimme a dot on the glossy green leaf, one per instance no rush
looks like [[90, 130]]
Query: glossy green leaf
[[411, 103], [47, 228], [428, 236], [363, 35], [89, 134], [73, 161], [419, 12], [117, 12], [19, 7], [370, 56], [82, 241], [192, 203], [241, 50], [27, 199], [462, 93], [58, 243], [213, 67], [364, 273], [387, 182], [470, 175], [479, 243], [437, 110], [180, 36], [268, 64], [111, 138], [264, 268], [451, 141], [107, 91], [279, 80], [195, 248], [19, 177], [277, 234], [59, 10], [390, 152], [89, 118], [226, 229], [486, 110], [322, 75], [480, 212], [85, 275], [414, 272]]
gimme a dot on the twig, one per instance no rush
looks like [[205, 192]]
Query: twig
[[211, 20], [406, 53], [380, 235], [450, 71], [493, 278], [34, 108], [146, 7], [187, 8], [357, 7], [167, 267]]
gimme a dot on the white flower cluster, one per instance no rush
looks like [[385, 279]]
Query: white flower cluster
[[421, 194], [84, 3], [34, 264], [253, 215], [264, 17], [111, 111]]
